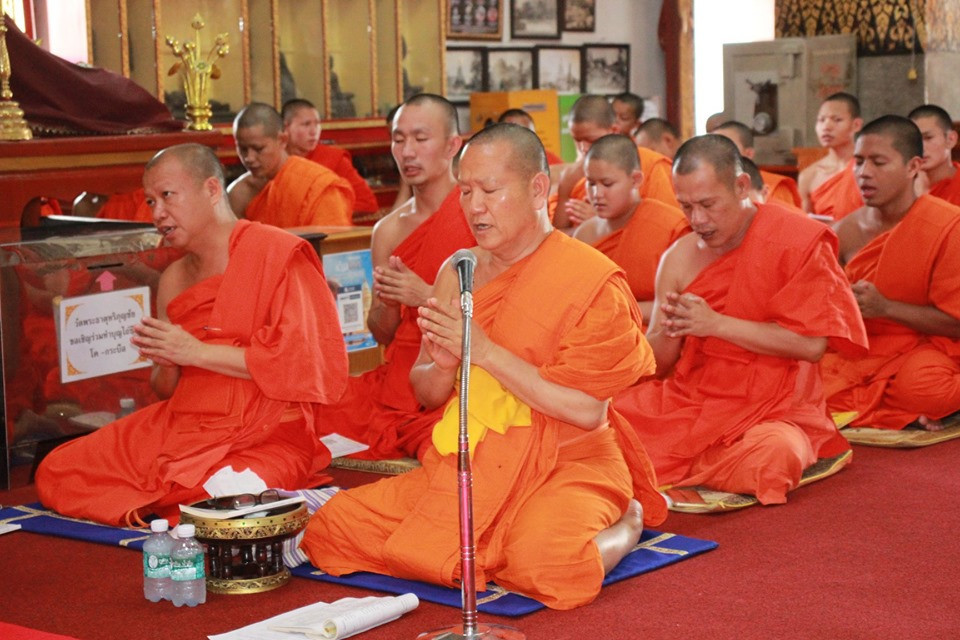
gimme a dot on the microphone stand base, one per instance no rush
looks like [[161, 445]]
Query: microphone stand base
[[483, 632]]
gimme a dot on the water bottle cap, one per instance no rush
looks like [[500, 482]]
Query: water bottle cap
[[186, 531], [127, 403], [159, 525]]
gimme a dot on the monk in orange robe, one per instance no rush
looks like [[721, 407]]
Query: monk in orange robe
[[408, 247], [659, 135], [246, 344], [782, 189], [301, 123], [938, 174], [280, 189], [127, 206], [591, 118], [738, 405], [561, 486], [903, 263], [827, 186], [631, 231]]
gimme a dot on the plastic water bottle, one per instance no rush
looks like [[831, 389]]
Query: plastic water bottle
[[186, 569], [156, 563], [127, 406]]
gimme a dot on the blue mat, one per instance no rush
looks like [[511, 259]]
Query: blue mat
[[655, 550]]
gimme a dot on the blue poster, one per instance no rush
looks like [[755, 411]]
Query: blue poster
[[350, 275]]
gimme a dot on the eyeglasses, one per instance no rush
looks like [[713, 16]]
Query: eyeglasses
[[242, 500]]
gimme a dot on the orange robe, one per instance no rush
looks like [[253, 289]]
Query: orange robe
[[541, 492], [274, 301], [948, 188], [303, 193], [782, 189], [379, 407], [740, 421], [906, 374], [839, 196], [339, 161], [127, 206], [637, 247]]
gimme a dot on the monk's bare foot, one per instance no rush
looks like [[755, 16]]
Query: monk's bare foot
[[633, 517], [617, 541], [930, 424]]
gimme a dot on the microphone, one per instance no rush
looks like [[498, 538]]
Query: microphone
[[464, 262]]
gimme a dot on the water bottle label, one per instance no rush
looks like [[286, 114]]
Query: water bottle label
[[187, 568], [156, 565]]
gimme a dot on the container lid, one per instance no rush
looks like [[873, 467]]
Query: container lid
[[128, 403], [186, 531], [159, 525]]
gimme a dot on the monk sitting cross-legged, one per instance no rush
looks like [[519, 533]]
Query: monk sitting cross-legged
[[246, 343], [738, 406], [561, 486], [280, 189], [408, 246], [631, 231], [901, 254], [938, 173]]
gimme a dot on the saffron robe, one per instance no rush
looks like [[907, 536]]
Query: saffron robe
[[783, 189], [302, 194], [272, 300], [948, 188], [379, 406], [340, 162], [838, 196], [637, 247], [541, 493], [698, 417], [127, 206], [906, 374]]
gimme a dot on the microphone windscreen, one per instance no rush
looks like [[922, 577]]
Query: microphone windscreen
[[464, 254]]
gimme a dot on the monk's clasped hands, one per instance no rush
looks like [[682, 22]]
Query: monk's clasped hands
[[872, 303], [442, 327], [689, 315], [165, 343], [397, 284]]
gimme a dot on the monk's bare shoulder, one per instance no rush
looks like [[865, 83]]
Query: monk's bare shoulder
[[390, 231], [681, 263], [174, 280], [240, 192], [855, 230], [589, 231]]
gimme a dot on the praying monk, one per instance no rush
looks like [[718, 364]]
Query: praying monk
[[938, 174], [827, 187], [408, 246], [246, 343], [630, 230], [902, 256], [660, 136], [591, 118], [301, 123], [780, 188], [280, 189], [561, 486], [738, 405]]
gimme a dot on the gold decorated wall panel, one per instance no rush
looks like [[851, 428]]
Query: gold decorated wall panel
[[882, 27]]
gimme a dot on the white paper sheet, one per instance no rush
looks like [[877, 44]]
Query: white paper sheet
[[341, 445]]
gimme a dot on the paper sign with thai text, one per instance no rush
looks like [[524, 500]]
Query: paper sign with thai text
[[95, 332]]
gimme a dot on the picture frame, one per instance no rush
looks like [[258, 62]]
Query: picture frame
[[559, 68], [510, 69], [580, 15], [466, 69], [474, 19], [535, 19], [606, 68]]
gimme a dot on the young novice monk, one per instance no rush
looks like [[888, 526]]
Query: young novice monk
[[632, 231], [827, 187]]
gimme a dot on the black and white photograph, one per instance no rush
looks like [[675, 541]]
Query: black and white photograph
[[509, 69], [474, 19], [539, 19], [606, 68], [580, 15], [559, 68], [465, 71]]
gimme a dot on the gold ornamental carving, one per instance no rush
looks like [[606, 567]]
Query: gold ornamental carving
[[198, 71], [12, 124]]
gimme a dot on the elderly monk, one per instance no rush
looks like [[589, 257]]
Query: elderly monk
[[280, 189], [408, 246], [301, 123], [591, 118], [246, 344], [779, 188], [827, 187], [561, 485], [632, 231], [902, 255], [659, 135], [738, 405], [938, 173]]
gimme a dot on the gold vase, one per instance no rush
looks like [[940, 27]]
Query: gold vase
[[197, 72], [12, 124]]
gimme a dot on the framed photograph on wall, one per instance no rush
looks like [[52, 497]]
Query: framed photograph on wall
[[580, 15], [474, 19], [510, 69], [539, 19], [559, 68], [606, 68], [466, 72]]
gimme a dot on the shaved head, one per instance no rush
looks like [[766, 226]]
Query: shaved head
[[751, 169], [292, 107], [593, 109], [903, 133], [198, 160], [717, 151], [633, 101], [527, 158], [851, 102], [517, 116], [657, 128], [259, 114], [450, 120], [616, 149], [943, 119], [738, 130]]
